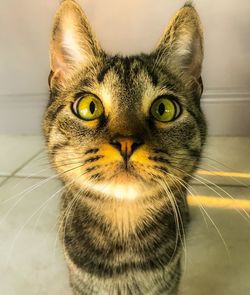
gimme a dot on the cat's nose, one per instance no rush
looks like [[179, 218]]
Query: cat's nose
[[126, 145]]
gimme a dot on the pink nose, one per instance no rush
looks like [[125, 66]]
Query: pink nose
[[126, 145]]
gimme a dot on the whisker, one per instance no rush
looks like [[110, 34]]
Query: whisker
[[231, 177], [30, 189], [224, 191], [27, 221], [198, 178], [216, 227], [186, 186], [182, 236], [214, 167], [176, 217], [65, 219], [65, 213]]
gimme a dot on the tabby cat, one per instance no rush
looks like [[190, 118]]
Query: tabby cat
[[124, 135]]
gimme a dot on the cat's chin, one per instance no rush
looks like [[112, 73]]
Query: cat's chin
[[123, 186]]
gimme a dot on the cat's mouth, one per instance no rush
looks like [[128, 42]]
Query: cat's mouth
[[126, 176], [126, 173]]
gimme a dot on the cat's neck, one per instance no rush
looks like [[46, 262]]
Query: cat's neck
[[124, 217], [110, 237]]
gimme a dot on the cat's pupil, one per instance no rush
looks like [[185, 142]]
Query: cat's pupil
[[92, 107], [161, 109]]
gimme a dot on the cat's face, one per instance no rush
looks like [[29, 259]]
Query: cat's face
[[123, 126]]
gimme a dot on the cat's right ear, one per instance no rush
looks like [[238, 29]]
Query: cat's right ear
[[73, 45]]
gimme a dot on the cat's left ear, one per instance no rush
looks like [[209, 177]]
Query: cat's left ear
[[181, 46], [73, 44]]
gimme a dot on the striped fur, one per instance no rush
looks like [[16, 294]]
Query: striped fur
[[123, 227]]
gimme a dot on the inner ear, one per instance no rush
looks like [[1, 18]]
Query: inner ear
[[73, 44], [181, 46]]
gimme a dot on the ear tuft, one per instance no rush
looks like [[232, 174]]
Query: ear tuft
[[181, 47]]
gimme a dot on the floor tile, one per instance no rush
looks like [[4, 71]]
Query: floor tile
[[216, 262], [2, 179], [228, 152], [16, 150], [28, 253], [218, 257], [38, 167], [31, 263], [229, 155]]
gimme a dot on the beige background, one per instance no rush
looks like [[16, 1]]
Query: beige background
[[130, 26]]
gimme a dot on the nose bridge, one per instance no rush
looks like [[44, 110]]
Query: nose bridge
[[126, 124]]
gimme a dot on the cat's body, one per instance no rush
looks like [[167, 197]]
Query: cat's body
[[144, 261], [124, 134]]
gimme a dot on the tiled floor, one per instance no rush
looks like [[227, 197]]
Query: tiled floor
[[217, 259]]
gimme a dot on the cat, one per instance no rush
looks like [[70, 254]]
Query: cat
[[125, 135]]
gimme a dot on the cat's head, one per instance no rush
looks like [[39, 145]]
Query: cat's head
[[123, 126]]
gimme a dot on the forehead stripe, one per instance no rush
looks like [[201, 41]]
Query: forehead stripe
[[106, 69]]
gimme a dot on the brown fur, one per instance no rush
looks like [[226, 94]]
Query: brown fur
[[124, 210]]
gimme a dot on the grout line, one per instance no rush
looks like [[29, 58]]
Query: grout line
[[5, 180], [29, 177], [26, 163], [20, 167]]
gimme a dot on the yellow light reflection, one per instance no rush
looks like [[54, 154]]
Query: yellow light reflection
[[224, 174], [215, 202]]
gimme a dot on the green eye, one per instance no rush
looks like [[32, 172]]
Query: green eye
[[88, 108], [165, 110]]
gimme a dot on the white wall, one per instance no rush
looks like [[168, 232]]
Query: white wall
[[128, 26]]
